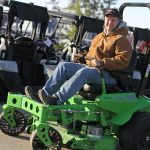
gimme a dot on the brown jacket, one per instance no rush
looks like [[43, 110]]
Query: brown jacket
[[113, 50]]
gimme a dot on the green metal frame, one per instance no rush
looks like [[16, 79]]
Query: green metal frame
[[109, 110]]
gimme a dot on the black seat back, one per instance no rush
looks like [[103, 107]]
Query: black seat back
[[132, 64], [87, 25], [22, 48], [123, 76]]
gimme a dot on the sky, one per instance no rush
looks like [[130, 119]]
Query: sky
[[138, 17]]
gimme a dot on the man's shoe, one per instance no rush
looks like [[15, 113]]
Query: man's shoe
[[47, 99], [31, 94]]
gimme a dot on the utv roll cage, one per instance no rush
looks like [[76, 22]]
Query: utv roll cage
[[141, 36], [28, 12], [87, 26], [61, 18]]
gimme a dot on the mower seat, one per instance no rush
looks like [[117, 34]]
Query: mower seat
[[91, 91], [123, 78]]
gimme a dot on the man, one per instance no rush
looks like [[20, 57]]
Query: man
[[109, 50]]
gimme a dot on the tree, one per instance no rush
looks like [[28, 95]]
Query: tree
[[75, 6], [53, 4], [92, 8]]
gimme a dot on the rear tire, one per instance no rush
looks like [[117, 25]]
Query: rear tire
[[135, 134]]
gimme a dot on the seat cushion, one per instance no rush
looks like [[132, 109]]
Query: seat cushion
[[94, 88], [91, 91], [89, 96]]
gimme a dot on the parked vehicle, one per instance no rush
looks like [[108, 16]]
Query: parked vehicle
[[88, 28], [19, 56]]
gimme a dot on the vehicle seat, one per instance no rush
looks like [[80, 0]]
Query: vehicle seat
[[91, 91], [124, 77], [22, 48]]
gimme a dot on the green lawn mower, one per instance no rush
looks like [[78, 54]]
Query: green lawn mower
[[80, 123], [117, 119]]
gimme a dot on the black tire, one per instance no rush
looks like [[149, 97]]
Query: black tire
[[3, 92], [13, 131], [135, 134], [54, 136]]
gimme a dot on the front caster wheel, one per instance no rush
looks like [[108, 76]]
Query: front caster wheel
[[54, 136], [17, 129]]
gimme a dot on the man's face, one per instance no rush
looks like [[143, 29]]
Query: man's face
[[110, 23]]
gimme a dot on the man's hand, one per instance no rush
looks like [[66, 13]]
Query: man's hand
[[95, 63], [77, 57]]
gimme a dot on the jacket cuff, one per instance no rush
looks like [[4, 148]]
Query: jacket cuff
[[101, 64]]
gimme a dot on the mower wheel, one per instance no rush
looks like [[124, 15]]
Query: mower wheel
[[54, 136], [135, 134], [13, 131]]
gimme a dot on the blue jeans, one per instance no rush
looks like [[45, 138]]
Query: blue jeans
[[68, 78]]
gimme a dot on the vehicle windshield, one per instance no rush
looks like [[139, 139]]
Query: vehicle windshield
[[87, 38], [52, 25]]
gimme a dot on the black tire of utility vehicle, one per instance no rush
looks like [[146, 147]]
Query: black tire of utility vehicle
[[13, 131], [135, 134], [3, 92]]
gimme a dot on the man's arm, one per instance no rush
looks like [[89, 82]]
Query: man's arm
[[123, 52]]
